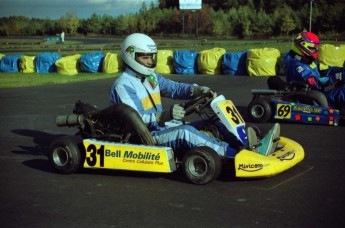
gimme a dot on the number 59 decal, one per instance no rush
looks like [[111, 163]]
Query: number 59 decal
[[283, 111]]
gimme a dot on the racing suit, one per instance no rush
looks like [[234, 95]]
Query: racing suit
[[299, 69], [144, 95]]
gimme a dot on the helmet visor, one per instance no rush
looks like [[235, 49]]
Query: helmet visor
[[148, 60]]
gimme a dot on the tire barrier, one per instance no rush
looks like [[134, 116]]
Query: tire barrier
[[252, 62]]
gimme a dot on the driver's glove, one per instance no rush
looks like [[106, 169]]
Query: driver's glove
[[199, 90], [176, 112], [311, 81]]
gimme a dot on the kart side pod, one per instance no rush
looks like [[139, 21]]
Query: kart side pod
[[252, 164]]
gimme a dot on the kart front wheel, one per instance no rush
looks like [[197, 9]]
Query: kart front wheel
[[260, 110], [65, 154], [201, 165]]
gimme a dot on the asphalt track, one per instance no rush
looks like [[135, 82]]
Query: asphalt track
[[311, 194]]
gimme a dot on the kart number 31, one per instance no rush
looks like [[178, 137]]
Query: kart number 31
[[232, 114]]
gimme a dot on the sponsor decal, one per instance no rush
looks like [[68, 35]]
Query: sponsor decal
[[152, 47], [152, 80], [307, 108], [130, 50], [251, 167], [290, 155], [298, 117], [299, 69], [97, 156]]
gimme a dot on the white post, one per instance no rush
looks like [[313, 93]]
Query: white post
[[310, 14]]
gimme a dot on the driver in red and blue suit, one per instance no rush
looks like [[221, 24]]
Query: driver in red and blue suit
[[141, 88], [301, 65]]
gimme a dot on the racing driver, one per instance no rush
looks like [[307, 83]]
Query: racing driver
[[141, 88], [301, 65]]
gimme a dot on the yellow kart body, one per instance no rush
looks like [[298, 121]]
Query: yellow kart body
[[117, 138], [124, 156], [251, 164]]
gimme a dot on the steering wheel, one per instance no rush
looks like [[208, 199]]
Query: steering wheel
[[197, 103]]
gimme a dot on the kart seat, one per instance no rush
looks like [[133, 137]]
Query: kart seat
[[298, 90], [82, 108], [276, 83], [129, 120]]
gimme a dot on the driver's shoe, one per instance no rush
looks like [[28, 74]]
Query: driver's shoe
[[252, 139], [269, 142]]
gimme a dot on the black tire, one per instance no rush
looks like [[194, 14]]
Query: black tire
[[201, 165], [312, 97], [260, 110], [66, 154]]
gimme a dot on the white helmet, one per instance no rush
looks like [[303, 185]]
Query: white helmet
[[138, 43]]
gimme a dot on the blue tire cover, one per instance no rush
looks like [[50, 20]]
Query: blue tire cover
[[234, 63], [185, 61], [45, 62], [92, 62], [10, 63]]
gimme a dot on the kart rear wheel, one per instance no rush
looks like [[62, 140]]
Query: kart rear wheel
[[312, 97], [201, 165], [65, 154], [260, 110]]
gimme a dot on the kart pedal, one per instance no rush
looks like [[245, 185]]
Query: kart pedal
[[255, 146], [276, 140]]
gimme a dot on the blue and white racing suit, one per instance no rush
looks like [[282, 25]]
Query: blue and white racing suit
[[144, 95], [296, 70]]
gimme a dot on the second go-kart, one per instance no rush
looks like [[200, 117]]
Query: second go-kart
[[293, 102], [117, 138]]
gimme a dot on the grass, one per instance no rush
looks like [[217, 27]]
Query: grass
[[34, 46], [15, 80]]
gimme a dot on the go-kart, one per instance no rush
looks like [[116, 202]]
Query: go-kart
[[292, 102], [117, 138]]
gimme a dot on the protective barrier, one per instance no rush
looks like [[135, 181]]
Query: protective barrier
[[45, 62], [254, 62], [68, 65], [113, 63], [185, 61], [26, 64], [92, 62], [331, 55], [165, 62], [10, 63], [234, 63], [263, 62], [210, 61]]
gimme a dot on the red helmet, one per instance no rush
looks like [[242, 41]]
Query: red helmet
[[306, 44]]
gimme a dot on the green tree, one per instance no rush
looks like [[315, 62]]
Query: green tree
[[262, 24], [220, 25], [94, 24], [69, 22], [287, 25], [241, 20]]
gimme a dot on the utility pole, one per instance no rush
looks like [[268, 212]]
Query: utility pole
[[196, 24], [310, 14]]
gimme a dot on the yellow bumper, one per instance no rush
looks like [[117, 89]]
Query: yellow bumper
[[252, 164]]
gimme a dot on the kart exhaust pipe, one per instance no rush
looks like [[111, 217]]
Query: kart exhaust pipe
[[69, 120]]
